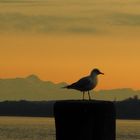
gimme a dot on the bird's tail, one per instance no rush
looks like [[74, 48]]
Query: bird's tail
[[66, 87]]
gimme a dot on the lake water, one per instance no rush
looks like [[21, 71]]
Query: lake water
[[35, 128]]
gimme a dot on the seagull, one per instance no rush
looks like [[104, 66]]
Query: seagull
[[87, 83]]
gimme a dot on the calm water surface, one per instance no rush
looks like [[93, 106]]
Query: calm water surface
[[29, 128]]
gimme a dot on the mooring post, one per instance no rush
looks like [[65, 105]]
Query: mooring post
[[84, 120]]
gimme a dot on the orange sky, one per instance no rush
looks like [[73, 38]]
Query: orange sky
[[67, 58], [63, 40]]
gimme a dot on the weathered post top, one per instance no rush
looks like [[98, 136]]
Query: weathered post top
[[84, 120]]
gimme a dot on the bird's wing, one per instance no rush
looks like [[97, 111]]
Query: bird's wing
[[84, 81], [81, 84]]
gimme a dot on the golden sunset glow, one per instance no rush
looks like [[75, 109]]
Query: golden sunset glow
[[62, 45]]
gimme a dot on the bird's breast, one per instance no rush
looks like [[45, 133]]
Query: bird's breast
[[94, 82]]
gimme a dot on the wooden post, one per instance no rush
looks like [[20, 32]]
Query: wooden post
[[84, 120]]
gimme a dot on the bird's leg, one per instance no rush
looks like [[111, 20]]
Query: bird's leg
[[83, 95], [89, 95]]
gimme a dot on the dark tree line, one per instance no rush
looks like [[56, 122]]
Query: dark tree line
[[126, 109], [26, 108]]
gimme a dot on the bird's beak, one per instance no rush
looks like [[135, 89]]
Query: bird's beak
[[102, 73]]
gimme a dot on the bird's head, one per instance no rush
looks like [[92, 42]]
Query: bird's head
[[96, 72]]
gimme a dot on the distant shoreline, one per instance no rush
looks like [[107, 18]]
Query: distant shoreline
[[53, 117], [128, 109]]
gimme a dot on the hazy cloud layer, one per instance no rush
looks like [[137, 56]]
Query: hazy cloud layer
[[69, 16], [44, 24], [126, 19]]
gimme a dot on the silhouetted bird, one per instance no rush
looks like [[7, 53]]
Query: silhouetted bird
[[87, 83]]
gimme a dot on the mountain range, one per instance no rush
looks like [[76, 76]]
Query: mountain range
[[33, 88]]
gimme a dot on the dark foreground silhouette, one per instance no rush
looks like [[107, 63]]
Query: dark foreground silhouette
[[126, 109], [85, 120]]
